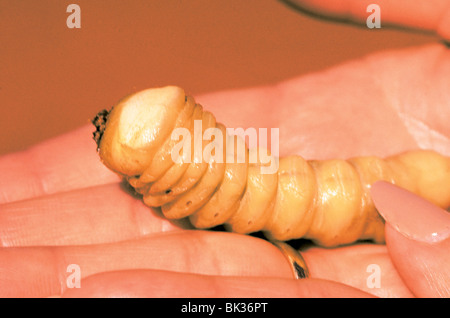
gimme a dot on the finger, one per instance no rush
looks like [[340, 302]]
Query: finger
[[161, 284], [63, 163], [45, 271], [423, 267], [427, 15], [366, 267], [101, 214], [417, 236]]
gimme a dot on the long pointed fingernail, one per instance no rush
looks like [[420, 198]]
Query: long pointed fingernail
[[410, 214]]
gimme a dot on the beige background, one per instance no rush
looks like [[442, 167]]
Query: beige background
[[54, 79]]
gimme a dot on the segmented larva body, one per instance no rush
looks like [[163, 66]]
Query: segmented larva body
[[326, 201]]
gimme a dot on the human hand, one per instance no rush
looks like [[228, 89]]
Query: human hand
[[63, 207]]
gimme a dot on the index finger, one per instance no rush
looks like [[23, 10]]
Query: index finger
[[64, 163]]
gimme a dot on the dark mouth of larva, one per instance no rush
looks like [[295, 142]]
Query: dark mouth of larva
[[99, 122]]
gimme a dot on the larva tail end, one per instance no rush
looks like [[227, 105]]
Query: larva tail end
[[99, 122]]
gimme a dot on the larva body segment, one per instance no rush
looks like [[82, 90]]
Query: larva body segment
[[326, 201]]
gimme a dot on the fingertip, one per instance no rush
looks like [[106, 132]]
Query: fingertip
[[416, 236], [409, 214]]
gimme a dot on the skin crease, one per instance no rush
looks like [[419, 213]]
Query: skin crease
[[45, 219]]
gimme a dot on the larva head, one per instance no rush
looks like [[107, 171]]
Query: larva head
[[128, 136]]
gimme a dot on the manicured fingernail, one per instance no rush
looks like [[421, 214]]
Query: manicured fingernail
[[410, 214]]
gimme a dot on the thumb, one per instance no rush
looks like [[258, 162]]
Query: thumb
[[417, 238]]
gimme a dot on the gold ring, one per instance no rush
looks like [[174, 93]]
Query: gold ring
[[296, 260]]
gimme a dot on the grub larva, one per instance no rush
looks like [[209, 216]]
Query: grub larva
[[326, 201]]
